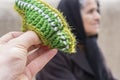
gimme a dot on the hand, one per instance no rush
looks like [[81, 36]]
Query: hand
[[15, 62]]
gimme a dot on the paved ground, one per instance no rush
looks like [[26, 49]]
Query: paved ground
[[109, 38]]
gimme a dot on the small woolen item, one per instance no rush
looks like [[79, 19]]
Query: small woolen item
[[48, 23]]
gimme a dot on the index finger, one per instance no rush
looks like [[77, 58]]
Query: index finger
[[11, 35], [26, 40]]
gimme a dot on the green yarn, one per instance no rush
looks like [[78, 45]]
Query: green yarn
[[48, 23]]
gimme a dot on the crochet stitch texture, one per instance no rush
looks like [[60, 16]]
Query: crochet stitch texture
[[48, 23]]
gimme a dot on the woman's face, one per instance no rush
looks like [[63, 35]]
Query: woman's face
[[91, 17]]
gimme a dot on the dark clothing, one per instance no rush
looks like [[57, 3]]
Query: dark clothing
[[68, 67]]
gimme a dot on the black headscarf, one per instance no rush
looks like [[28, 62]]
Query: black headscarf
[[71, 10]]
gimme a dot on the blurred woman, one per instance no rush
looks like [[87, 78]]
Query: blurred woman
[[88, 62]]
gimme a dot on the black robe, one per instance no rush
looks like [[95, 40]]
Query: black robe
[[68, 67]]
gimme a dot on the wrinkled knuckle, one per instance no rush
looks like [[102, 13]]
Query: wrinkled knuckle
[[18, 53]]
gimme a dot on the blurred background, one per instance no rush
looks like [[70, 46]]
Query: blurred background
[[109, 38]]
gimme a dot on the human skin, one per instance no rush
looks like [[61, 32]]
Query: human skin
[[15, 62], [91, 17]]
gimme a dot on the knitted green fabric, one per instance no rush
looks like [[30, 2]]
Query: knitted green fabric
[[48, 23]]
